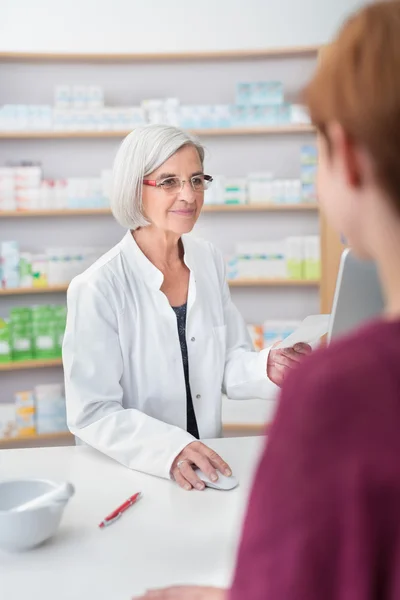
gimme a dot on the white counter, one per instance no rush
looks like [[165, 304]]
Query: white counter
[[169, 537]]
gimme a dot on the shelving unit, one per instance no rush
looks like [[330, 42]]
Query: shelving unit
[[20, 441], [243, 208], [222, 55], [331, 252], [53, 289], [22, 365], [220, 208], [21, 214], [221, 138], [56, 289], [273, 282], [228, 131]]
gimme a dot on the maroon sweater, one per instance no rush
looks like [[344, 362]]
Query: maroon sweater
[[323, 521]]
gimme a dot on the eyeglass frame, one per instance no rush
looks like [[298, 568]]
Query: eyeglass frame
[[158, 184]]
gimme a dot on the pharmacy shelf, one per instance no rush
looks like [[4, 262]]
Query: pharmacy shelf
[[249, 282], [229, 208], [285, 51], [44, 438], [311, 206], [56, 289], [51, 289], [54, 213], [213, 132], [30, 364]]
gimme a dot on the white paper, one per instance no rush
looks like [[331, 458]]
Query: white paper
[[309, 332]]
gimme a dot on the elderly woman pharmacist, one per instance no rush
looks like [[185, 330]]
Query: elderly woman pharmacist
[[152, 335]]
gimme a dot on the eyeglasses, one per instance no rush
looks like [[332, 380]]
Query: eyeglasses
[[174, 185]]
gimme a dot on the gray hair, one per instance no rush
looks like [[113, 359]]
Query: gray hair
[[143, 151]]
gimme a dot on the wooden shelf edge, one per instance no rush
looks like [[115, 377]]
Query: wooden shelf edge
[[20, 214], [51, 134], [206, 208], [257, 53], [266, 130], [19, 441], [273, 282], [214, 132], [232, 282], [53, 289], [30, 364], [260, 207]]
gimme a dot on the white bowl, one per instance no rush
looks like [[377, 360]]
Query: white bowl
[[29, 528]]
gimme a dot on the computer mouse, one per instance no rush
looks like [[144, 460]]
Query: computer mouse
[[222, 483]]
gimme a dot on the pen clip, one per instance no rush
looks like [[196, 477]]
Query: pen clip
[[108, 522]]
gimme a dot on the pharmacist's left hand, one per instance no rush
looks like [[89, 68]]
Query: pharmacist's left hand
[[186, 593], [280, 362]]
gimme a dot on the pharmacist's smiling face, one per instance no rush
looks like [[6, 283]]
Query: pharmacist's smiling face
[[170, 209]]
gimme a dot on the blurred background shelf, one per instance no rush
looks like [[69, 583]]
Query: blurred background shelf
[[22, 365], [262, 53], [63, 438], [228, 131], [273, 282], [220, 208], [53, 289], [241, 208], [16, 214], [231, 152]]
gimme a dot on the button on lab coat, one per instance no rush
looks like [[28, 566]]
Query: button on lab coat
[[124, 378]]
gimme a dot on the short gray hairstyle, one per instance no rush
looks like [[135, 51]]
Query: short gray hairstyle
[[143, 151]]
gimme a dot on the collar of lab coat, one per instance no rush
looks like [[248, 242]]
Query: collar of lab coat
[[140, 264]]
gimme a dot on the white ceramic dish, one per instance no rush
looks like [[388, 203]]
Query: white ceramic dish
[[22, 530]]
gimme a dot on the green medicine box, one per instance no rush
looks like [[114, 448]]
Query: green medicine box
[[5, 343], [21, 340]]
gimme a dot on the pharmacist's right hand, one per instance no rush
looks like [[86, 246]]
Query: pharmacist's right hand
[[198, 455]]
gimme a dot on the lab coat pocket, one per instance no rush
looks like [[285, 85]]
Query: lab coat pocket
[[219, 334]]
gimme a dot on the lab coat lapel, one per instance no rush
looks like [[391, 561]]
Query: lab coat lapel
[[189, 262]]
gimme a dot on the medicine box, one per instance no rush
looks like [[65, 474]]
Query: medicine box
[[25, 413], [294, 257], [256, 333], [5, 342], [9, 264], [312, 257], [7, 420], [50, 408]]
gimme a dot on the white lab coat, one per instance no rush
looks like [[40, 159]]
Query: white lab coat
[[124, 378]]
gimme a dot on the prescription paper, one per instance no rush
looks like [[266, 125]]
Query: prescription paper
[[309, 332]]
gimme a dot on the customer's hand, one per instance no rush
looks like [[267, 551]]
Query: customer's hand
[[199, 455], [280, 362], [186, 593]]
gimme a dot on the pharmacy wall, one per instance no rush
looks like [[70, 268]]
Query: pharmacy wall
[[155, 27], [124, 84], [173, 25]]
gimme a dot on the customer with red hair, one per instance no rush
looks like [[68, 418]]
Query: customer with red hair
[[323, 521]]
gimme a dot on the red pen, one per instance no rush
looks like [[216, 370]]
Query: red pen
[[117, 513]]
